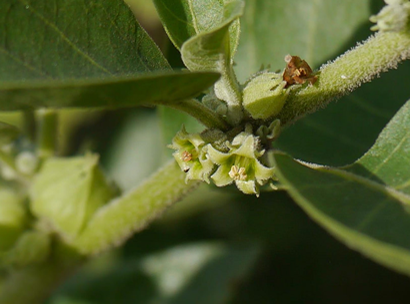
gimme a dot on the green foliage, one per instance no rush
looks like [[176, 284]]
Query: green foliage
[[58, 208], [78, 68], [176, 275], [66, 193]]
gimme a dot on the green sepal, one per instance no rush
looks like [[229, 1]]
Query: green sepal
[[67, 191], [264, 95], [13, 218]]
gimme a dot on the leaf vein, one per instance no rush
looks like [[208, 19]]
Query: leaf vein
[[65, 38]]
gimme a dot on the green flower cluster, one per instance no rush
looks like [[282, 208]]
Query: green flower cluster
[[212, 155], [393, 17]]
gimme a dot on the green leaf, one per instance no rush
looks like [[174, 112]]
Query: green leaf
[[211, 51], [67, 191], [387, 162], [143, 90], [366, 205], [8, 133], [39, 40], [184, 19], [316, 31], [195, 273], [100, 60]]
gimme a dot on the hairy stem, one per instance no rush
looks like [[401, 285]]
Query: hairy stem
[[379, 53], [132, 212], [203, 114]]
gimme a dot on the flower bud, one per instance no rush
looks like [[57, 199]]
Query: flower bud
[[264, 95]]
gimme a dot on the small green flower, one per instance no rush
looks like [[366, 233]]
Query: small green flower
[[393, 17], [191, 155], [240, 164]]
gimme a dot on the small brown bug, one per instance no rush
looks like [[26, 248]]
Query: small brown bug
[[297, 71]]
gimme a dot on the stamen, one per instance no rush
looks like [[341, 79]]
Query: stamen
[[186, 156]]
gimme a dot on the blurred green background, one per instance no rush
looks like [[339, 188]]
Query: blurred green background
[[218, 246]]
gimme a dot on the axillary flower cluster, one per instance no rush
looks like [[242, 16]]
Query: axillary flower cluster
[[239, 155], [226, 159]]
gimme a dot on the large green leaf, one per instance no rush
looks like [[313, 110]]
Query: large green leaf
[[83, 54], [150, 89], [387, 162], [366, 205], [315, 30], [73, 39]]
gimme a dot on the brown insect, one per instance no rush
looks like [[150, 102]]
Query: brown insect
[[297, 71]]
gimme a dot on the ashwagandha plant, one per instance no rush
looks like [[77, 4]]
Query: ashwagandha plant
[[57, 212]]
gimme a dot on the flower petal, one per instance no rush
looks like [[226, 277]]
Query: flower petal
[[247, 149], [262, 173], [221, 176], [217, 156], [247, 187]]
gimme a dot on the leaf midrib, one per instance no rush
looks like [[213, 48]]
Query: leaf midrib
[[65, 38]]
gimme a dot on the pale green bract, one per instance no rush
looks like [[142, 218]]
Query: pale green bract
[[66, 193]]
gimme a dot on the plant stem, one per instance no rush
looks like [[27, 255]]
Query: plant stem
[[47, 132], [203, 114], [112, 224], [379, 53]]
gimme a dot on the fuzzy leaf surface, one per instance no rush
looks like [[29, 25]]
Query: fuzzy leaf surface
[[102, 59]]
